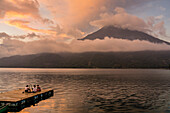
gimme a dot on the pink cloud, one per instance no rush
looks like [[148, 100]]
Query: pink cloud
[[16, 47], [121, 19]]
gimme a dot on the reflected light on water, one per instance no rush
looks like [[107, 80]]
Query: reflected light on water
[[94, 90], [62, 104], [43, 106]]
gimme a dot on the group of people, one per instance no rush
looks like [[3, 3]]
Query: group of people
[[32, 90]]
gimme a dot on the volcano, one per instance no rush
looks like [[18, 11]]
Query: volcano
[[119, 33]]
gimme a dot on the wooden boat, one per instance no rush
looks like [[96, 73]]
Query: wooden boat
[[3, 109], [17, 100]]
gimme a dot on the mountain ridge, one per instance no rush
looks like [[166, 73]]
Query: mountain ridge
[[139, 59]]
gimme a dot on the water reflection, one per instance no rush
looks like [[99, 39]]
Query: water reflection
[[94, 90]]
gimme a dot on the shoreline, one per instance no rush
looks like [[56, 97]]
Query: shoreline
[[73, 68]]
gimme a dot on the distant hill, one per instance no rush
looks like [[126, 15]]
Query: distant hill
[[142, 59], [111, 31]]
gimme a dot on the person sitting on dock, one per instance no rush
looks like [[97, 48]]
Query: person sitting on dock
[[34, 89], [27, 89], [38, 88]]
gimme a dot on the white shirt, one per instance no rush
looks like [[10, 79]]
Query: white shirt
[[34, 89], [26, 88]]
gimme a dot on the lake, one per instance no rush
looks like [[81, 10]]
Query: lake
[[94, 90]]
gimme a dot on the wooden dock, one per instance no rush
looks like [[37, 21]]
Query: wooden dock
[[17, 100]]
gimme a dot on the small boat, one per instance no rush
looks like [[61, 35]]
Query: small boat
[[3, 109]]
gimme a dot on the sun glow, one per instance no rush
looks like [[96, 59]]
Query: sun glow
[[25, 25], [12, 14]]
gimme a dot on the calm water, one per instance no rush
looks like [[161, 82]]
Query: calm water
[[94, 90]]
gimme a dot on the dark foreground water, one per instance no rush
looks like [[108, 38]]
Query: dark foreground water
[[94, 90]]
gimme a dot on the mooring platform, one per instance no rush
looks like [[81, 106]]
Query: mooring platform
[[17, 100]]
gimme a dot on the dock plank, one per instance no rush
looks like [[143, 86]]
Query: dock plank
[[17, 95]]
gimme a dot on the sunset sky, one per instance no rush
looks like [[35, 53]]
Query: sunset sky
[[35, 26]]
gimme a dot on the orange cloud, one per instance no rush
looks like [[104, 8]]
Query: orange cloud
[[12, 14], [21, 9], [27, 7], [24, 25], [80, 11], [74, 12]]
